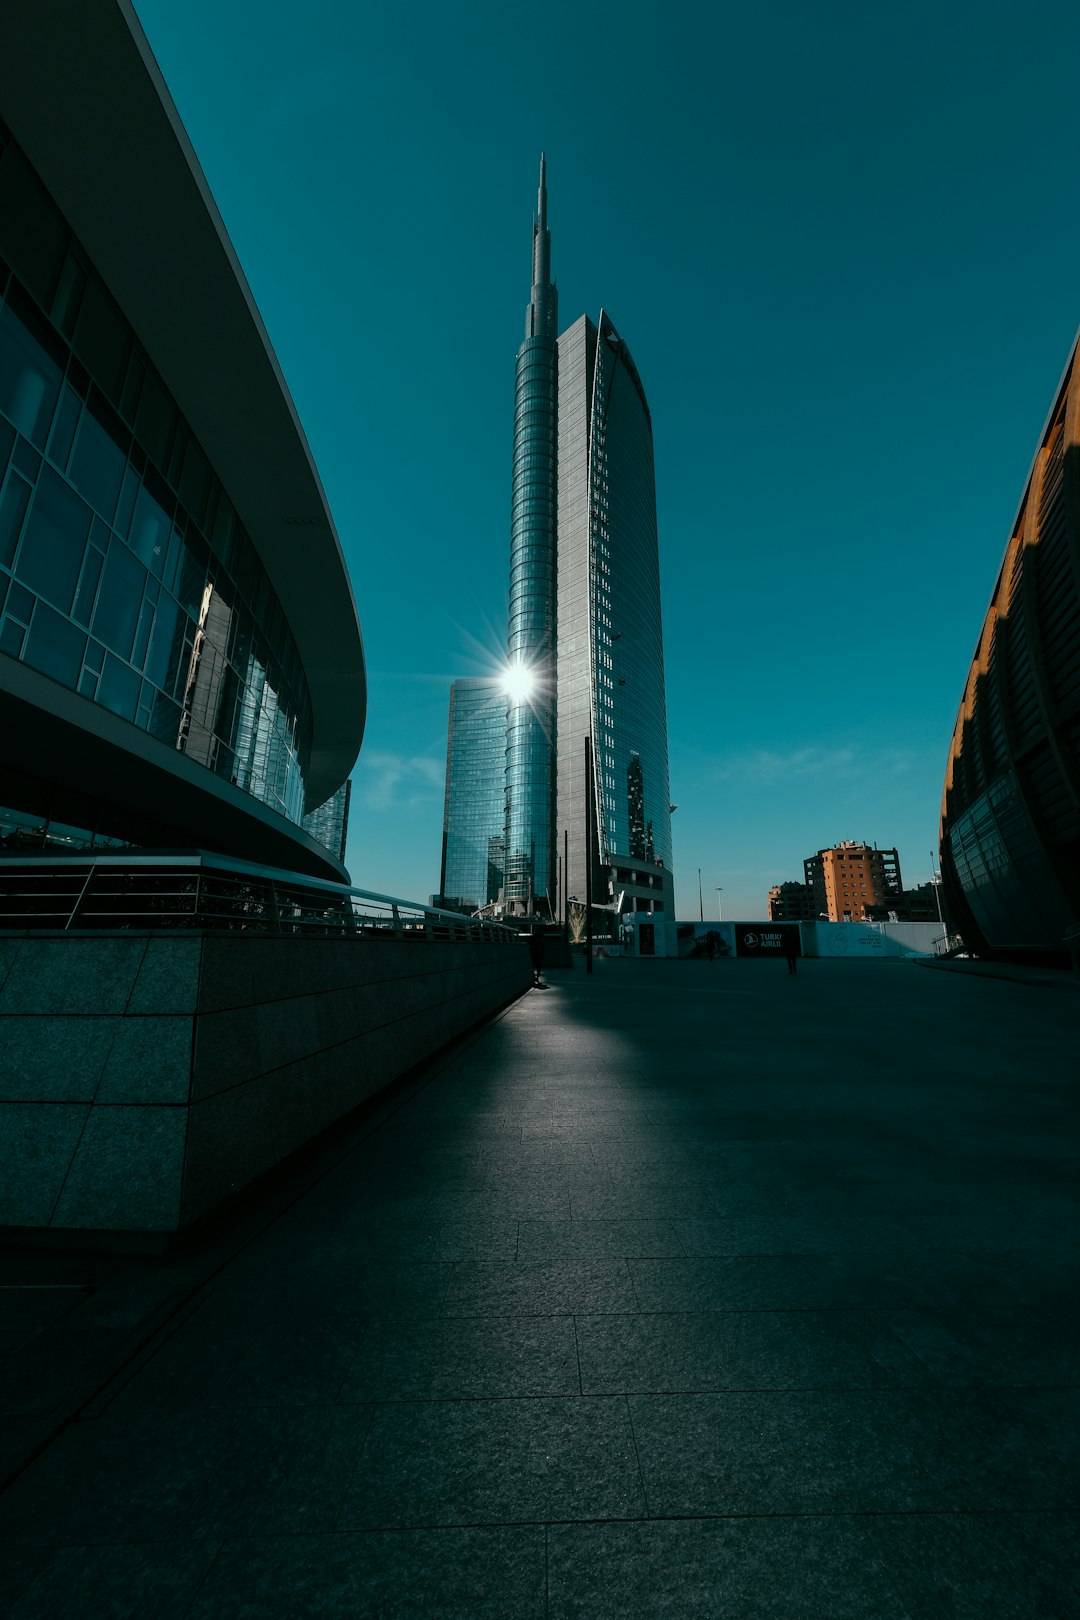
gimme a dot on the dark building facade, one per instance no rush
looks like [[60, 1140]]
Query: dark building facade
[[180, 657], [791, 902], [473, 861], [1010, 819]]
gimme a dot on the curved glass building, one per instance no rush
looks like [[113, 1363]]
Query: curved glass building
[[610, 640], [1010, 820], [180, 657]]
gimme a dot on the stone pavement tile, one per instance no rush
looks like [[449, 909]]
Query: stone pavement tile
[[119, 1580], [1013, 1346], [962, 1566], [629, 1201], [560, 1153], [509, 1201], [719, 1569], [152, 1476], [383, 1575], [491, 1238], [503, 1461], [743, 1350], [588, 1240], [554, 1288], [302, 1364], [387, 1240], [395, 1288], [463, 1358], [815, 1281], [507, 1181], [287, 1469], [856, 1451], [559, 1127]]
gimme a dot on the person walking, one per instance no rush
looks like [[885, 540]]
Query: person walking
[[791, 950]]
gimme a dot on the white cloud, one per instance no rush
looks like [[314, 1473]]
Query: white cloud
[[397, 781], [765, 767]]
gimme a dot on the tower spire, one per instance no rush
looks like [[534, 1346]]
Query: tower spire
[[542, 315]]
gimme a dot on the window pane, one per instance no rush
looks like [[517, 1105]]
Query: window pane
[[165, 645], [150, 529], [13, 504], [98, 467], [29, 379], [118, 688], [55, 646], [52, 549], [119, 599]]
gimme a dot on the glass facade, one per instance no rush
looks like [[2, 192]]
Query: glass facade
[[472, 859], [610, 647], [125, 574], [529, 834], [1010, 821]]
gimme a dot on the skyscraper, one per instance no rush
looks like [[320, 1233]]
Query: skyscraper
[[585, 645], [475, 805], [530, 825]]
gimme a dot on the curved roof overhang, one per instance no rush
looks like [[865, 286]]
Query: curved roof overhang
[[122, 170]]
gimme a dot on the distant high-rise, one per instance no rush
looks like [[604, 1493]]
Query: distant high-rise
[[474, 806], [610, 672], [530, 825], [585, 645]]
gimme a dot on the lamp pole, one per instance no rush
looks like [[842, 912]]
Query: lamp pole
[[700, 902], [719, 903], [937, 897]]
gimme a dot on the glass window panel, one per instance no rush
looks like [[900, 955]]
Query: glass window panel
[[165, 643], [88, 684], [26, 458], [12, 636], [69, 292], [20, 603], [155, 420], [103, 339], [29, 374], [142, 633], [95, 656], [118, 688], [195, 482], [54, 540], [150, 529], [85, 596], [67, 419], [98, 465], [35, 234], [192, 579], [165, 719], [13, 504], [55, 646], [7, 443], [119, 599], [129, 401]]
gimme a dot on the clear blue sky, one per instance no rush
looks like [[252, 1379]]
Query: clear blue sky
[[843, 243]]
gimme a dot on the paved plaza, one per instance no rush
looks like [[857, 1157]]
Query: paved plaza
[[683, 1290]]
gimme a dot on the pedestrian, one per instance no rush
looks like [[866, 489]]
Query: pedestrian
[[536, 954], [710, 944], [791, 950]]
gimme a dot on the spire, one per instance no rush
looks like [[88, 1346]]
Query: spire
[[542, 316]]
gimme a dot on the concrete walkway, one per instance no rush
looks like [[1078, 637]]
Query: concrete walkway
[[685, 1290]]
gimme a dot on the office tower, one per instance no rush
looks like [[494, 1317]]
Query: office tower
[[474, 806], [1010, 816], [849, 877], [584, 619], [610, 666], [530, 828]]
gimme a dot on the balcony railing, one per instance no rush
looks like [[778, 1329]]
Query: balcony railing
[[196, 892]]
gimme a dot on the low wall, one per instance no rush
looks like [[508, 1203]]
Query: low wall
[[145, 1079]]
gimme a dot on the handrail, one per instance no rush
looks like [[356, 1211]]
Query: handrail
[[201, 892]]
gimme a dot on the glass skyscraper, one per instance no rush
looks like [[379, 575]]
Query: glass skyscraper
[[585, 646], [474, 809]]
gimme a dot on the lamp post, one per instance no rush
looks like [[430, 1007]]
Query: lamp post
[[937, 897], [700, 902], [719, 903]]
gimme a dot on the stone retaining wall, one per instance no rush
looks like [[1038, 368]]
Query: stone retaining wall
[[144, 1079]]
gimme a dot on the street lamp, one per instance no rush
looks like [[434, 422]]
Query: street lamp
[[719, 903], [700, 902]]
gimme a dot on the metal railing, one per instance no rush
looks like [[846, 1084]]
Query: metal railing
[[198, 892]]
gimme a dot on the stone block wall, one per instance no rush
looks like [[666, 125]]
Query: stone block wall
[[146, 1078]]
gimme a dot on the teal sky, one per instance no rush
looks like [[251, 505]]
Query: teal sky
[[843, 244]]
